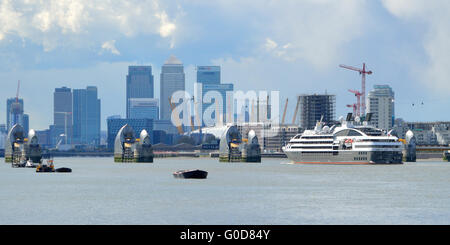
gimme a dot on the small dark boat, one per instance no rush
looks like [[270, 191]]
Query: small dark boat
[[64, 170], [190, 174]]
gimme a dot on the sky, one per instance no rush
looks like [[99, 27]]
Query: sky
[[291, 46]]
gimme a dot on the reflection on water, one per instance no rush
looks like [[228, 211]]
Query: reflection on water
[[99, 191]]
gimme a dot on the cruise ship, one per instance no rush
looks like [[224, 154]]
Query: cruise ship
[[347, 143]]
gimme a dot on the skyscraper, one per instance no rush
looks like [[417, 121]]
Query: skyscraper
[[139, 84], [144, 108], [209, 79], [10, 120], [222, 89], [172, 80], [26, 123], [62, 115], [380, 102], [86, 116], [208, 74], [314, 107]]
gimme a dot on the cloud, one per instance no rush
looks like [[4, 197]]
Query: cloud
[[56, 23], [433, 73], [111, 47], [314, 31], [282, 52]]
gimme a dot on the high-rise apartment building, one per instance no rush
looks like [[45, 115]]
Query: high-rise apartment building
[[86, 116], [314, 107], [139, 84], [172, 80], [380, 102]]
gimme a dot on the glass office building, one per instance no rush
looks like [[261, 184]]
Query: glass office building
[[62, 115], [139, 84], [208, 74], [144, 108], [86, 116], [208, 78], [115, 124], [172, 80], [222, 89]]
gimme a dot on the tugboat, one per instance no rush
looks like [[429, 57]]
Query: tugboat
[[191, 174], [49, 167]]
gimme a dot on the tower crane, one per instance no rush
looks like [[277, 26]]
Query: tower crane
[[358, 101], [354, 108], [363, 73]]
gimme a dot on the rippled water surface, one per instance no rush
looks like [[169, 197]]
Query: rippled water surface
[[99, 191]]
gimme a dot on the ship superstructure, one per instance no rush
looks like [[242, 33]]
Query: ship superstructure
[[347, 143]]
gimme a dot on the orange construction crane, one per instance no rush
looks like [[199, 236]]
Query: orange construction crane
[[358, 101], [363, 73], [284, 113], [177, 119], [354, 108], [296, 110]]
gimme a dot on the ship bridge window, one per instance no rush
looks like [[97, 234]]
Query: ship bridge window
[[372, 131], [348, 132]]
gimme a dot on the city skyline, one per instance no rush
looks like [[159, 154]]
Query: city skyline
[[403, 44]]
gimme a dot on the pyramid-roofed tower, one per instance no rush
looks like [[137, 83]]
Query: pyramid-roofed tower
[[173, 61]]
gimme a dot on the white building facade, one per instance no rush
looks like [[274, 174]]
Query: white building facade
[[380, 102]]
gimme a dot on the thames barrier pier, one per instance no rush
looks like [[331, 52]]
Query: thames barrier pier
[[14, 145], [232, 148], [251, 150], [409, 152], [144, 148], [128, 148], [33, 151]]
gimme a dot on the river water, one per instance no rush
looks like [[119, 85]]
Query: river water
[[99, 191]]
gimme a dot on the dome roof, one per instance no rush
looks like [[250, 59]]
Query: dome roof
[[409, 136], [252, 138], [144, 138]]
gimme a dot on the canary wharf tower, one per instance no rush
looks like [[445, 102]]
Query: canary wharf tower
[[172, 80]]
